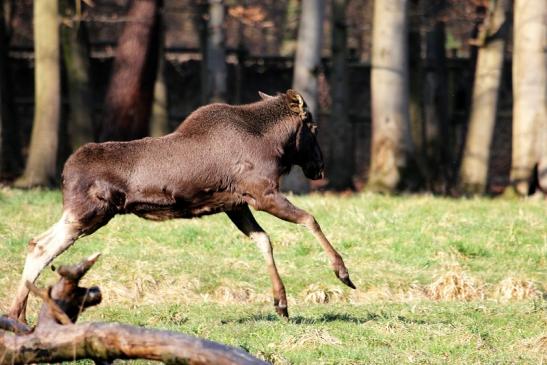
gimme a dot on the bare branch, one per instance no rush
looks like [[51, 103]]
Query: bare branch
[[107, 341], [53, 308], [13, 325]]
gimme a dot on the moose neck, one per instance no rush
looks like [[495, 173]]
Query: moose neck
[[279, 125]]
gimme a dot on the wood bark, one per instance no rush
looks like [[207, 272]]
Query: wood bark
[[42, 158], [340, 167], [56, 338], [11, 158], [390, 98], [307, 66], [474, 168], [75, 47], [159, 125], [290, 26], [129, 97], [216, 53], [529, 95], [436, 124], [3, 58]]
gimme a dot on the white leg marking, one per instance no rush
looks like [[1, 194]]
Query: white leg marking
[[263, 243]]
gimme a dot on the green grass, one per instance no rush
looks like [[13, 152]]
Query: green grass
[[204, 278]]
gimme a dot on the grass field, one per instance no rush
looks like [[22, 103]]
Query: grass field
[[440, 281]]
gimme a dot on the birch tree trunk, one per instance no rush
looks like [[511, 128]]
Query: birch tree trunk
[[529, 94], [216, 52], [305, 78], [128, 101], [41, 162], [474, 168], [76, 57], [390, 96], [340, 167]]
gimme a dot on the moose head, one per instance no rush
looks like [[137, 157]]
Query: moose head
[[304, 150]]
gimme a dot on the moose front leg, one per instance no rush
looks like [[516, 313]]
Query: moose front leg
[[278, 205], [246, 223]]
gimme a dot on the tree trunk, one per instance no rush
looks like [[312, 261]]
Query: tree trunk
[[306, 71], [130, 92], [159, 124], [216, 53], [340, 168], [11, 158], [288, 43], [3, 59], [390, 107], [76, 57], [474, 169], [436, 124], [41, 162], [529, 95]]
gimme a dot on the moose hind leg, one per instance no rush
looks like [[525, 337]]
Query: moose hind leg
[[244, 220], [41, 251], [280, 207]]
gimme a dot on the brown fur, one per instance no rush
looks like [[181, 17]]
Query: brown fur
[[221, 159]]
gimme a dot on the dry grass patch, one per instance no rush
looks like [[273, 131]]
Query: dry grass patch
[[536, 344], [321, 294], [512, 288], [455, 285], [386, 294], [230, 292], [313, 337]]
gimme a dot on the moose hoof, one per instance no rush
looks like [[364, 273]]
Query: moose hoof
[[346, 280], [281, 309], [282, 312]]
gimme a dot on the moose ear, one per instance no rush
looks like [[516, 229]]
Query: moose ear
[[296, 102], [264, 96]]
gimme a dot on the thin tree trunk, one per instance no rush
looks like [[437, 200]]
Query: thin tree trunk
[[3, 59], [306, 71], [390, 99], [340, 169], [474, 168], [12, 160], [529, 95], [76, 57], [288, 43], [159, 124], [216, 53], [129, 97], [41, 163], [436, 129], [200, 21]]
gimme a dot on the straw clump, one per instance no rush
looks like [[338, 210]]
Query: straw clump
[[320, 294], [311, 338], [456, 285], [512, 288]]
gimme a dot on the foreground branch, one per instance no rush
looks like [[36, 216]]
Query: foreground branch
[[56, 338], [108, 341]]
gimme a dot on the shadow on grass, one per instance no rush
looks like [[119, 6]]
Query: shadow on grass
[[326, 318]]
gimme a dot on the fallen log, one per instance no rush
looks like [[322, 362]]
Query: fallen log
[[110, 341], [57, 338]]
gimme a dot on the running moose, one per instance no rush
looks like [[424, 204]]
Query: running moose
[[222, 158]]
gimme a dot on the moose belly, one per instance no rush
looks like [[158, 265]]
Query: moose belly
[[205, 203]]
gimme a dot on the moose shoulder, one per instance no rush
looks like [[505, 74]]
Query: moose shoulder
[[222, 158]]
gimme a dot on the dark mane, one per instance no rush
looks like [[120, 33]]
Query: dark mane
[[255, 118]]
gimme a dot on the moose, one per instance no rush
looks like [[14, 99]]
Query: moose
[[222, 158]]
